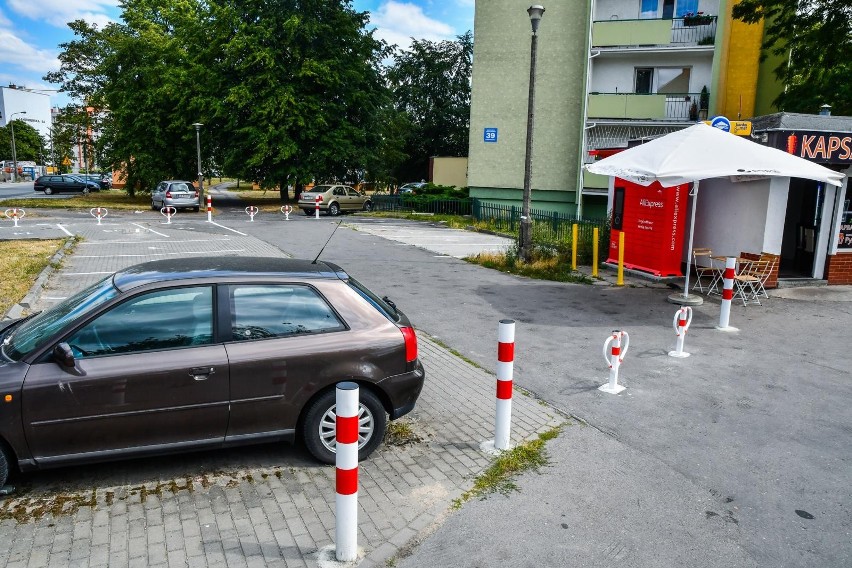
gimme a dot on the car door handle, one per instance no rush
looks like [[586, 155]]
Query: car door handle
[[201, 373]]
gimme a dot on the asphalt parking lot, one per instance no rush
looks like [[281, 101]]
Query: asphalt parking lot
[[736, 456]]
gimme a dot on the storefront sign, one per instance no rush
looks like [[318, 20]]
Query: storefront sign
[[845, 235], [820, 147], [652, 221]]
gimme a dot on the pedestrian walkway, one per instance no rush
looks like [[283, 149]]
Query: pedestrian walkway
[[268, 505]]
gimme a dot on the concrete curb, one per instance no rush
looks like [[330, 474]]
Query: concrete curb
[[34, 292]]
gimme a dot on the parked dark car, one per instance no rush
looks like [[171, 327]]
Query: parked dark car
[[193, 353], [104, 182], [63, 182]]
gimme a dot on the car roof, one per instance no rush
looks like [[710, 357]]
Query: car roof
[[176, 181], [226, 267]]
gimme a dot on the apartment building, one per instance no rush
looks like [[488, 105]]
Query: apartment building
[[608, 71]]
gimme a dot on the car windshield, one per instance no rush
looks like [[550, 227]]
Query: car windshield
[[180, 187], [319, 189], [33, 333]]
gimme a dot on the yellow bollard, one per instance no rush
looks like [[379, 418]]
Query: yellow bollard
[[620, 281], [595, 253], [574, 247]]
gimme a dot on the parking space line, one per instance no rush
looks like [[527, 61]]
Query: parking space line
[[158, 253], [150, 229], [230, 229], [64, 230], [224, 239]]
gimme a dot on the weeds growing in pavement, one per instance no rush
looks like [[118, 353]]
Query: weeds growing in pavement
[[499, 476]]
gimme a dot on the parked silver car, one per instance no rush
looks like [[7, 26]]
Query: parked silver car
[[334, 199], [175, 193]]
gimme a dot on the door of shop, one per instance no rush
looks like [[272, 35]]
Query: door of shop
[[801, 229]]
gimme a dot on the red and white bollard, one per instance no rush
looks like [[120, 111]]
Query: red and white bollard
[[614, 359], [346, 460], [682, 319], [317, 202], [14, 214], [286, 209], [209, 208], [99, 212], [252, 211], [168, 211], [505, 370], [727, 295]]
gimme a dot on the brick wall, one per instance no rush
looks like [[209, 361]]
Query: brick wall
[[838, 268], [772, 281]]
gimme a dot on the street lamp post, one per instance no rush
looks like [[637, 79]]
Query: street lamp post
[[535, 12], [198, 126], [14, 151]]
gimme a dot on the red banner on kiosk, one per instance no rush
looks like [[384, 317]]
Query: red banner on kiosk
[[652, 219]]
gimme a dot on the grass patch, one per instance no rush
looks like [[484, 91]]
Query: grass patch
[[23, 260], [111, 199], [401, 433], [546, 264], [529, 456]]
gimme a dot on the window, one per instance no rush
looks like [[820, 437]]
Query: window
[[264, 311], [686, 6], [352, 192], [673, 80], [648, 9], [165, 319], [339, 191], [644, 80]]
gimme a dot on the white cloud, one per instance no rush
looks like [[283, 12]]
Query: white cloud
[[15, 51], [398, 22], [59, 12]]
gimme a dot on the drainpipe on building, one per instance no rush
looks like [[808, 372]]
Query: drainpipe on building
[[584, 142]]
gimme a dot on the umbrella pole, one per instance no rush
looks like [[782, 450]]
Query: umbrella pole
[[691, 231]]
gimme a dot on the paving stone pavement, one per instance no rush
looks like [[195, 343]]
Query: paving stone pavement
[[265, 505]]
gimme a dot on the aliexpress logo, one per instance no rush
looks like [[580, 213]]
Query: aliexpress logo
[[650, 204]]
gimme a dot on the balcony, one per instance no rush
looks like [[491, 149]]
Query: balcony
[[676, 32], [631, 106]]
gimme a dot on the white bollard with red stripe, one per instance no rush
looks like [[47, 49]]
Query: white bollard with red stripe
[[614, 359], [682, 319], [505, 370], [286, 209], [168, 211], [317, 202], [99, 212], [346, 460], [209, 208], [727, 295], [16, 214], [252, 211]]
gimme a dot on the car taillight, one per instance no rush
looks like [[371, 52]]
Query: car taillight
[[196, 193], [410, 344], [168, 194]]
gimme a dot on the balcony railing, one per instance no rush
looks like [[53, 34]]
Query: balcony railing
[[657, 106], [696, 30]]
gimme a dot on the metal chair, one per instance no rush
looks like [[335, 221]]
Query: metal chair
[[705, 270]]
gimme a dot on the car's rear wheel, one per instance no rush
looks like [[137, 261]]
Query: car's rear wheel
[[153, 206], [4, 466], [334, 209], [48, 191], [318, 430], [196, 209], [368, 206], [85, 191]]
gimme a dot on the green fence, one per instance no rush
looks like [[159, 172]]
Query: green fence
[[422, 204]]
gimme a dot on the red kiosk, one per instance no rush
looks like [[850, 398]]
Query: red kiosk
[[652, 220]]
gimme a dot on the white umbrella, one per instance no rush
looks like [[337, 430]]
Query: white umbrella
[[702, 152]]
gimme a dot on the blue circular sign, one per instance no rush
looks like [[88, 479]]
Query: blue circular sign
[[721, 123]]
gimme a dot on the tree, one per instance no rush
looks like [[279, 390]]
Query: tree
[[29, 145], [814, 40], [430, 83]]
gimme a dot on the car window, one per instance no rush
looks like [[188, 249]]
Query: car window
[[353, 193], [339, 191], [386, 309], [264, 311], [164, 319], [180, 187]]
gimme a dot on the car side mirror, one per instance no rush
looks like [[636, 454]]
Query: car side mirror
[[63, 355]]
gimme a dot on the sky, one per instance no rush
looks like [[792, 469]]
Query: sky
[[31, 30]]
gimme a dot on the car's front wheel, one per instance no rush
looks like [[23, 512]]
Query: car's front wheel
[[4, 466], [334, 209], [48, 191], [368, 206], [320, 422]]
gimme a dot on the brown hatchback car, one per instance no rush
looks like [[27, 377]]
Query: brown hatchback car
[[178, 355]]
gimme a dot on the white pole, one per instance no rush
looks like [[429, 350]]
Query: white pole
[[727, 295], [505, 370], [691, 232], [346, 461]]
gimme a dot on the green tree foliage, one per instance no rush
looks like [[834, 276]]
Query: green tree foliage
[[286, 89], [431, 86], [817, 35], [29, 145]]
